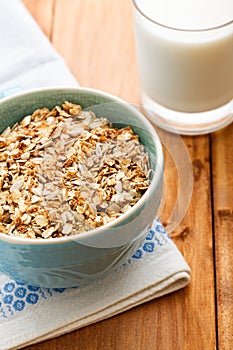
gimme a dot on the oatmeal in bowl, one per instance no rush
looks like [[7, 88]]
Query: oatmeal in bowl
[[80, 183], [64, 171]]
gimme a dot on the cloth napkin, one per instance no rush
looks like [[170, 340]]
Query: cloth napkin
[[30, 314]]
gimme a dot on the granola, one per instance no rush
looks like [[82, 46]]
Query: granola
[[65, 171]]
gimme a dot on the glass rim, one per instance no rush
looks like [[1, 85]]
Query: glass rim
[[179, 29]]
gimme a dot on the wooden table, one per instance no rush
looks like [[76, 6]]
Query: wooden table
[[95, 37]]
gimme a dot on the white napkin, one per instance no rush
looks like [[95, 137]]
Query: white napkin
[[29, 314], [27, 59]]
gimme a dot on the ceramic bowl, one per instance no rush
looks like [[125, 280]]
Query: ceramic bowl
[[82, 258]]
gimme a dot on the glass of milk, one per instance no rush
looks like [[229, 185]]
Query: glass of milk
[[185, 61]]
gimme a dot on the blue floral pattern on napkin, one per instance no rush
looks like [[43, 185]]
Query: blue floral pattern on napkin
[[15, 296]]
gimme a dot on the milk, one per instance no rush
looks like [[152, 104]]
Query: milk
[[190, 68]]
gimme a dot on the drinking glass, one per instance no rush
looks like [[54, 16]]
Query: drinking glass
[[185, 68]]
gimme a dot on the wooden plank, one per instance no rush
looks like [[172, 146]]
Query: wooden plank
[[96, 40], [194, 239], [222, 163], [42, 11]]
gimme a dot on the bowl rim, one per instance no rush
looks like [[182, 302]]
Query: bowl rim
[[157, 176]]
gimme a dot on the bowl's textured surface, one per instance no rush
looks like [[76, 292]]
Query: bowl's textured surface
[[82, 258]]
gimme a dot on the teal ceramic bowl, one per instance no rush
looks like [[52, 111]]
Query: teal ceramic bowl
[[82, 258]]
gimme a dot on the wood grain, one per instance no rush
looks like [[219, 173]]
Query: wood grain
[[96, 40], [194, 239], [222, 163], [42, 11]]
